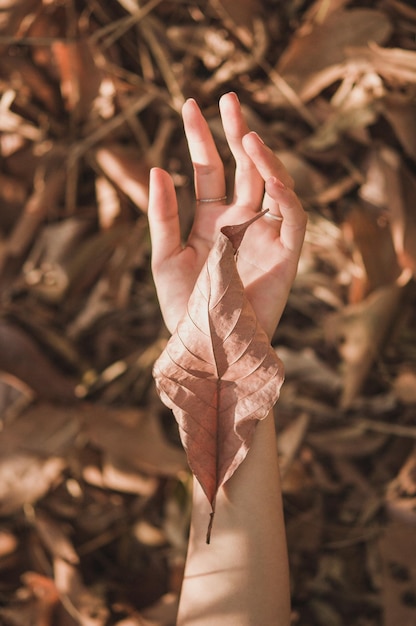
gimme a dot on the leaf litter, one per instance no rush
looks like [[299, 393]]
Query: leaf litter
[[94, 485]]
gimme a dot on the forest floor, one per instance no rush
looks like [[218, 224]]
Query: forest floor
[[94, 486]]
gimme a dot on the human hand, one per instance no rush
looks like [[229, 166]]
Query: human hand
[[269, 254]]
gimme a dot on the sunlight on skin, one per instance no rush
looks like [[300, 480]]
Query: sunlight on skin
[[243, 573], [241, 578], [269, 253]]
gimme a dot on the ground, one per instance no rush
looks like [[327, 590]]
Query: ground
[[94, 486]]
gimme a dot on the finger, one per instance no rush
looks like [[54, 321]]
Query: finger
[[265, 160], [249, 185], [163, 217], [293, 225], [207, 163], [269, 166]]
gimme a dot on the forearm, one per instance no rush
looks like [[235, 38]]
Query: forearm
[[241, 578]]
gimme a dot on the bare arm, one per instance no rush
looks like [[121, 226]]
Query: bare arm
[[240, 578]]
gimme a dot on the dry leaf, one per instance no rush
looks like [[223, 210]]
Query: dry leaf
[[21, 357], [290, 440], [362, 331], [309, 181], [393, 64], [398, 554], [31, 477], [370, 238], [83, 603], [218, 373], [400, 111], [405, 386], [8, 543], [54, 537], [314, 61], [79, 74], [132, 440], [127, 171], [238, 18]]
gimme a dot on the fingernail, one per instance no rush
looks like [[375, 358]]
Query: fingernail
[[253, 132], [230, 94], [277, 182], [192, 102]]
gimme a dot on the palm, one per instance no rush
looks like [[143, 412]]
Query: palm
[[269, 253]]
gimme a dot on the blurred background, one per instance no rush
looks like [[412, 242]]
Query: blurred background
[[94, 486]]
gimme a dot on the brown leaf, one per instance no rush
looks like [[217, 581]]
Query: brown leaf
[[128, 172], [80, 77], [30, 476], [8, 543], [309, 181], [47, 597], [21, 357], [84, 604], [132, 440], [362, 330], [400, 111], [398, 554], [218, 373], [314, 61], [393, 64], [374, 252], [237, 17], [54, 538]]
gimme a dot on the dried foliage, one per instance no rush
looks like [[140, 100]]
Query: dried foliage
[[218, 372], [94, 490]]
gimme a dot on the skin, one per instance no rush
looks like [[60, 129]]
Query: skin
[[241, 578]]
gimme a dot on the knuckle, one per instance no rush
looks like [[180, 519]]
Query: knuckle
[[203, 169]]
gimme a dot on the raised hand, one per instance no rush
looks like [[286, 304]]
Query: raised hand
[[269, 254]]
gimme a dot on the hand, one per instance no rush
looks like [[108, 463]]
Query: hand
[[269, 254]]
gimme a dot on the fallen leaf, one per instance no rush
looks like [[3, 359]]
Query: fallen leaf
[[117, 478], [393, 64], [362, 331], [129, 173], [25, 478], [44, 429], [8, 543], [314, 61], [371, 241], [309, 181], [21, 357], [306, 366], [79, 74], [350, 441], [163, 612], [398, 553], [131, 440], [54, 538], [400, 111], [405, 386], [238, 18], [290, 440], [85, 604], [218, 372], [47, 597]]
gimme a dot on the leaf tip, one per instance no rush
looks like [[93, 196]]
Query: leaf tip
[[236, 233]]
